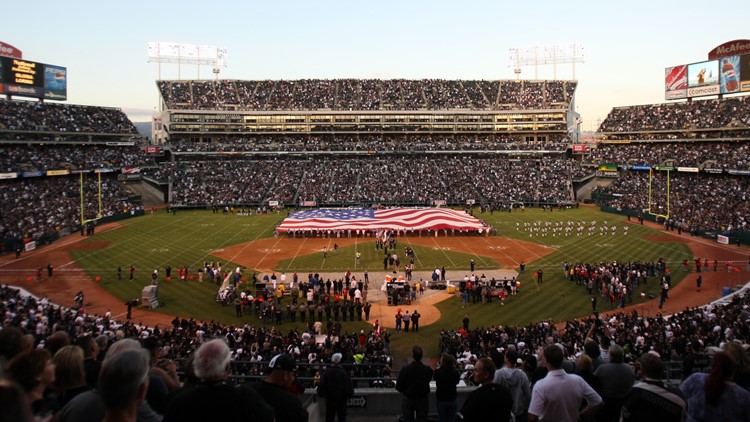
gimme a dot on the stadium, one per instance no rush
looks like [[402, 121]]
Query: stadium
[[474, 203]]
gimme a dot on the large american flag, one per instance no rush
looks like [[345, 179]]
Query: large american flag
[[388, 219]]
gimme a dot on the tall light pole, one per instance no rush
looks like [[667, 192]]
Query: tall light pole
[[545, 55]]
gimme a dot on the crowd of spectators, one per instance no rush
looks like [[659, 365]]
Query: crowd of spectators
[[31, 323], [37, 157], [724, 155], [51, 117], [37, 326], [32, 208], [336, 143], [398, 179], [700, 114], [365, 94], [671, 337], [696, 201]]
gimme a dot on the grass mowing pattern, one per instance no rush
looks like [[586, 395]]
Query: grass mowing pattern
[[426, 258]]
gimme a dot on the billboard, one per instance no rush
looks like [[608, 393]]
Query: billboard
[[10, 51], [703, 78], [730, 48], [31, 79], [729, 80], [675, 82], [744, 75]]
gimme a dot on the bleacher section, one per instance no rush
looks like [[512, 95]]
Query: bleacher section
[[369, 94]]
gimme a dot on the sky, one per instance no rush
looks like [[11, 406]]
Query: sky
[[626, 45]]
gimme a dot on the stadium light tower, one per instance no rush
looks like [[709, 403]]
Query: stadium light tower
[[167, 52], [545, 55]]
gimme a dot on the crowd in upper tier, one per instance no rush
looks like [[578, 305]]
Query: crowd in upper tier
[[365, 94], [42, 157], [723, 155], [36, 116], [698, 114]]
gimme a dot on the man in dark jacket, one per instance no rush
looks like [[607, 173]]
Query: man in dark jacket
[[414, 383], [651, 399], [336, 387], [476, 408]]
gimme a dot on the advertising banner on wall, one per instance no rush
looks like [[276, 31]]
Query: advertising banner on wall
[[703, 79], [25, 78], [675, 82], [729, 80], [745, 73]]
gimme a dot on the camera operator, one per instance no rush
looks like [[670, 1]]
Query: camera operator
[[130, 305]]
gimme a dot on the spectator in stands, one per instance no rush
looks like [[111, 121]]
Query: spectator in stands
[[14, 402], [713, 396], [70, 377], [90, 363], [446, 378], [694, 361], [741, 360], [559, 395], [414, 383], [615, 378], [214, 397], [12, 343], [513, 378], [650, 399], [123, 384], [34, 371], [274, 389], [336, 388], [489, 402], [90, 407]]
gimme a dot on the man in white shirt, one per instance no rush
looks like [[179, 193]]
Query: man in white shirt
[[558, 396]]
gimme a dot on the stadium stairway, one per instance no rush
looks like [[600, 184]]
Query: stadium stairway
[[150, 195]]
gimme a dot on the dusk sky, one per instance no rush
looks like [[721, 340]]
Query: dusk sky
[[626, 45]]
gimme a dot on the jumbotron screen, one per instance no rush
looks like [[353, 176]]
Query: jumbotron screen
[[31, 79], [724, 75]]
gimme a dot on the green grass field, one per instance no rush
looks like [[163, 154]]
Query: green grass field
[[188, 238]]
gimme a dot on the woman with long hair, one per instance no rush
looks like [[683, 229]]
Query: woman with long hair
[[714, 396], [446, 378], [34, 371], [70, 376]]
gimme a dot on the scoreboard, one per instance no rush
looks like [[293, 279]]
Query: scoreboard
[[31, 79]]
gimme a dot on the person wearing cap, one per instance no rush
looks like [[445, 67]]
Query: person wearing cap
[[414, 383], [274, 389], [336, 388], [214, 398]]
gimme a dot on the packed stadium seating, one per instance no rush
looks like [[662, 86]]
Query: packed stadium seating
[[364, 169], [38, 140], [368, 94], [413, 169], [27, 120], [679, 116]]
